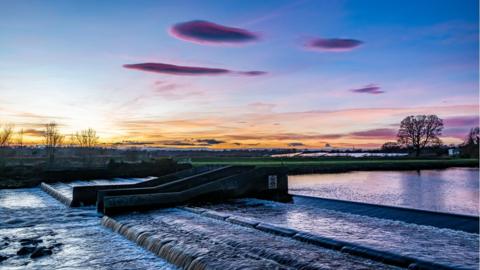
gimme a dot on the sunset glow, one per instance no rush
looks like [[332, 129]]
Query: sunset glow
[[253, 74]]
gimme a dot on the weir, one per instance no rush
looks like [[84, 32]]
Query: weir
[[193, 185], [87, 195], [216, 185], [173, 235]]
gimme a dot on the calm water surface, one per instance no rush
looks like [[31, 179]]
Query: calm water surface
[[453, 190]]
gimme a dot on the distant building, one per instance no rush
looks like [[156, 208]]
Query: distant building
[[453, 152]]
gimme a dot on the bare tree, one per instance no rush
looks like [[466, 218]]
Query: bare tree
[[420, 131], [470, 147], [86, 138], [473, 137], [6, 134], [20, 137], [53, 139]]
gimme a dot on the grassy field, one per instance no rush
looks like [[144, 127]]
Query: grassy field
[[305, 165]]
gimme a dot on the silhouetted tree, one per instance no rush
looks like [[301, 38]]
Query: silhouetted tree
[[391, 147], [86, 139], [6, 134], [420, 131], [53, 140], [470, 146], [20, 137], [473, 137]]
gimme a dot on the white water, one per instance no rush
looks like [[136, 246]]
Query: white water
[[226, 246], [422, 242], [66, 188], [79, 241]]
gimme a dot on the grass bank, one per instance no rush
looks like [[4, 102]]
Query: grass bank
[[331, 165]]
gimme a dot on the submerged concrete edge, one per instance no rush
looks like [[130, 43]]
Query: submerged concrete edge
[[325, 242], [401, 208], [55, 194]]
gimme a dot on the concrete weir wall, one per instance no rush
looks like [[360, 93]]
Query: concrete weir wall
[[56, 194], [87, 195], [170, 185], [241, 182]]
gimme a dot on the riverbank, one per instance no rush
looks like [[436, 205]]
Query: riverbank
[[334, 165], [30, 176]]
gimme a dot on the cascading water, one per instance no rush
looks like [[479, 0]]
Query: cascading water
[[195, 242], [212, 239], [48, 235], [427, 243]]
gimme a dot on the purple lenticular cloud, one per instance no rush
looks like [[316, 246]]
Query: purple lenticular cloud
[[176, 70], [209, 33], [369, 89], [333, 44], [187, 71], [252, 73]]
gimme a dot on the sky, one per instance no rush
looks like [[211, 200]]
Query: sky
[[239, 74]]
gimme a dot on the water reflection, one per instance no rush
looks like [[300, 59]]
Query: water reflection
[[451, 190]]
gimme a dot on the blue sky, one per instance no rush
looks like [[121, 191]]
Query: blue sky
[[63, 61]]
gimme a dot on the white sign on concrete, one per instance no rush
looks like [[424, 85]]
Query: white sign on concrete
[[272, 182]]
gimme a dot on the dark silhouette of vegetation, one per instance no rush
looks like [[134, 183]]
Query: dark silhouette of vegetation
[[6, 134], [420, 131], [470, 147], [20, 137], [86, 140], [53, 140], [391, 147]]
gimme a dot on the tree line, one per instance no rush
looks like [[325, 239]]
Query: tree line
[[415, 133], [423, 131], [52, 138]]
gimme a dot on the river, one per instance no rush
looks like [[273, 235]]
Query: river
[[453, 190]]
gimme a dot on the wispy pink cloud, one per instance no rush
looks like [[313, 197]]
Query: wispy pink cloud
[[174, 91], [462, 121], [209, 33], [260, 106], [459, 126], [458, 132], [382, 133]]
